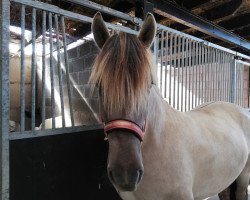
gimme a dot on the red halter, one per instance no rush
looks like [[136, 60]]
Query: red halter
[[124, 124]]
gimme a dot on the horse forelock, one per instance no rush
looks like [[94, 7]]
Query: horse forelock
[[123, 72]]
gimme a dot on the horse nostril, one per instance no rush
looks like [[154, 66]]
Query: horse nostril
[[140, 174], [110, 175]]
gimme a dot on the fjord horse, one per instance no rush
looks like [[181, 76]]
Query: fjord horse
[[155, 151]]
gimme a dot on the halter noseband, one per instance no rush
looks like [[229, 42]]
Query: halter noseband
[[127, 125]]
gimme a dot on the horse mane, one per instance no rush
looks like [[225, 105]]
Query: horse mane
[[123, 72]]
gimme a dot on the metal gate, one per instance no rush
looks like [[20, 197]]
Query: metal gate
[[191, 71]]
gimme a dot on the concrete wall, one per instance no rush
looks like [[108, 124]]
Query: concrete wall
[[85, 104], [15, 89]]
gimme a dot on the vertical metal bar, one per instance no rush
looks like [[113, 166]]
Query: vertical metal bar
[[156, 50], [213, 73], [178, 72], [237, 83], [43, 70], [182, 72], [22, 96], [186, 73], [226, 77], [217, 76], [199, 97], [223, 76], [233, 82], [52, 71], [4, 98], [189, 73], [196, 74], [209, 71], [193, 75], [170, 68], [161, 57], [175, 57], [220, 76], [67, 71], [33, 109], [202, 74], [59, 70], [166, 63], [229, 77], [241, 84], [205, 75]]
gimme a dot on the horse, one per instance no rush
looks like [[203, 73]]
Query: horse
[[157, 152]]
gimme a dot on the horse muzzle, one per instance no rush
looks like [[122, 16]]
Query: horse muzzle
[[125, 180]]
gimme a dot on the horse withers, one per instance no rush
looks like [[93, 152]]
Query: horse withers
[[155, 151]]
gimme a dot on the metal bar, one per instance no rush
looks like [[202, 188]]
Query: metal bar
[[52, 71], [193, 73], [205, 75], [33, 106], [170, 68], [106, 10], [233, 82], [182, 72], [180, 15], [213, 74], [166, 64], [67, 71], [237, 83], [228, 77], [4, 98], [175, 57], [50, 132], [178, 72], [43, 70], [59, 70], [189, 73], [186, 74], [216, 76], [22, 96], [241, 77], [242, 86], [155, 50], [202, 75], [161, 57], [70, 15], [221, 76], [196, 73], [199, 76], [224, 74]]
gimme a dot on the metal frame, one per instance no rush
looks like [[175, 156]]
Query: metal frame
[[4, 98]]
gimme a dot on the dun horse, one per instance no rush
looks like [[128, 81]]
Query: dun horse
[[155, 151]]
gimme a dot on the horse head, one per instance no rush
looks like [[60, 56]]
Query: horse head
[[123, 73]]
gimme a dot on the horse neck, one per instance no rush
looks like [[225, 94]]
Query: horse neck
[[158, 112]]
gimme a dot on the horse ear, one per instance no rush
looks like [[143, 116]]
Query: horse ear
[[99, 29], [148, 30]]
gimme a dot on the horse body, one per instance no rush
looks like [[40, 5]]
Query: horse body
[[183, 156], [200, 152]]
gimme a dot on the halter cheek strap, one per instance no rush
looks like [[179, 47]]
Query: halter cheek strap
[[124, 124]]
